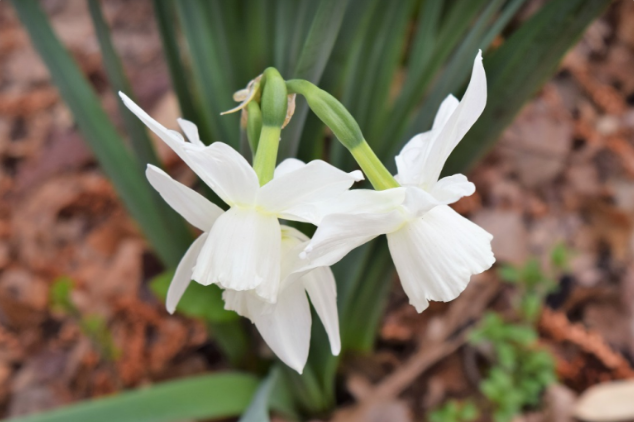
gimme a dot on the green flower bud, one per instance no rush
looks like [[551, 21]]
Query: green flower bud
[[273, 104], [346, 129], [330, 111], [274, 99]]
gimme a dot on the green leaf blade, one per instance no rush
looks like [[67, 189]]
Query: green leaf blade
[[141, 143], [311, 64], [520, 67], [212, 396], [102, 137]]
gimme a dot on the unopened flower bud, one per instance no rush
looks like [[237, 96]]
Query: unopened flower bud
[[274, 102], [330, 111]]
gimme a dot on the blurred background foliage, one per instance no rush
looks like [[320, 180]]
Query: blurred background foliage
[[390, 63]]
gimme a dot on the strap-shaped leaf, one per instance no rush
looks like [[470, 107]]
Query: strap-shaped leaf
[[258, 410], [381, 50], [141, 143], [99, 132], [459, 66], [214, 396], [311, 64], [520, 67], [164, 12], [450, 32], [214, 86]]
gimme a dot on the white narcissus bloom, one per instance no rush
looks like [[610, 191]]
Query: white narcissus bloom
[[241, 248], [298, 192], [285, 325], [435, 250]]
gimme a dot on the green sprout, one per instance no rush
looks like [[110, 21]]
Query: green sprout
[[92, 326]]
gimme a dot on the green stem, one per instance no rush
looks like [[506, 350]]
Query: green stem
[[273, 105], [373, 168], [266, 157]]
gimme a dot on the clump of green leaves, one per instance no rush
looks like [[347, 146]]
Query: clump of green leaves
[[92, 326], [455, 411], [522, 369], [533, 283]]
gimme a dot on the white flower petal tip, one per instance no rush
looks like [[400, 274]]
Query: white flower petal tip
[[125, 98], [421, 160], [420, 305], [357, 175], [305, 254], [191, 131]]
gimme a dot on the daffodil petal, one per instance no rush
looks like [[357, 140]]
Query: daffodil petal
[[436, 255], [451, 188], [195, 208], [418, 201], [227, 172], [172, 138], [367, 201], [302, 194], [445, 111], [293, 243], [287, 166], [285, 326], [242, 253], [237, 302], [322, 291], [183, 274], [411, 161], [458, 124], [338, 234], [191, 131]]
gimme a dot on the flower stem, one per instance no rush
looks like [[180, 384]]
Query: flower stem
[[373, 168], [266, 157]]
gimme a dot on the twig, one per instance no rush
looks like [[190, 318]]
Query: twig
[[467, 307]]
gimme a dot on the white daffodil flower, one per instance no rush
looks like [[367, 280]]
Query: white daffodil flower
[[435, 250], [241, 248], [285, 325]]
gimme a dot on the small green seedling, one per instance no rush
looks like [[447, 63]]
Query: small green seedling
[[92, 326], [521, 369], [455, 411]]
